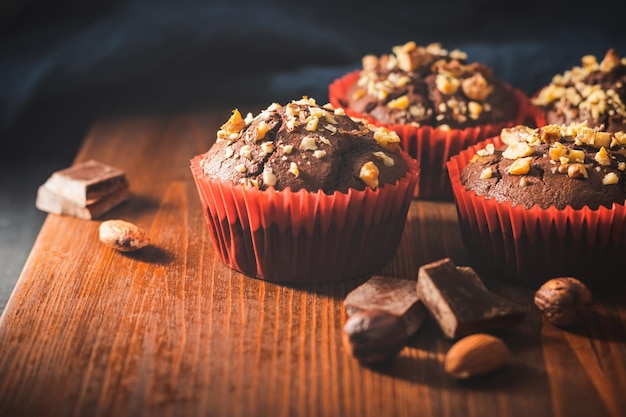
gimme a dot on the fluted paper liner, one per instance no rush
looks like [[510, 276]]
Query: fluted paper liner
[[530, 246], [432, 147], [298, 237]]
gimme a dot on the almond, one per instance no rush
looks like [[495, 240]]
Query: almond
[[122, 235], [476, 354]]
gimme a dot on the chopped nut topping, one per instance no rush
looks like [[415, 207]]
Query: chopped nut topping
[[250, 183], [293, 168], [324, 140], [417, 111], [229, 151], [621, 166], [517, 150], [235, 123], [329, 118], [340, 111], [291, 123], [610, 61], [476, 87], [520, 166], [447, 85], [550, 134], [369, 62], [602, 139], [241, 168], [311, 125], [246, 152], [519, 134], [582, 95], [268, 177], [387, 160], [560, 153], [403, 56], [475, 109], [267, 147], [486, 173], [610, 178], [290, 110], [620, 138], [317, 112], [387, 138], [458, 54], [319, 153], [400, 103], [602, 157], [261, 130], [589, 62], [369, 174], [287, 149], [577, 171], [306, 101], [489, 149], [523, 182], [331, 128]]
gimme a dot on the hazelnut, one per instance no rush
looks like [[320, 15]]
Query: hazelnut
[[374, 336], [563, 301]]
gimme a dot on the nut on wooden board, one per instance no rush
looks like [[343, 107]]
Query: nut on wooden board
[[563, 301], [476, 354], [374, 336], [122, 235]]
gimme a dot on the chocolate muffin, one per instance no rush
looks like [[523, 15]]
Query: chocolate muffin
[[302, 193], [437, 103], [594, 92], [558, 166], [430, 86], [534, 204], [304, 146]]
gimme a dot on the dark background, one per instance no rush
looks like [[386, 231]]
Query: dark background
[[67, 63]]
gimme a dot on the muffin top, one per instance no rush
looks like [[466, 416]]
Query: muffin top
[[304, 146], [595, 92], [556, 165], [432, 87]]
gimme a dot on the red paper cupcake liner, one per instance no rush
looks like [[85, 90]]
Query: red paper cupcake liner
[[530, 246], [305, 237], [432, 147]]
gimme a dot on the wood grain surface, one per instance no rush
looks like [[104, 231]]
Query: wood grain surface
[[170, 331]]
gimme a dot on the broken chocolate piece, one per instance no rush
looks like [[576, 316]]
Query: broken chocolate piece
[[460, 302], [51, 202], [394, 296], [87, 181]]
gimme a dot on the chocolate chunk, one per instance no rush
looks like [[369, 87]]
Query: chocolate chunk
[[394, 296], [86, 182], [460, 302], [51, 202]]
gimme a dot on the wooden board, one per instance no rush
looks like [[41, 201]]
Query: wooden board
[[170, 331]]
